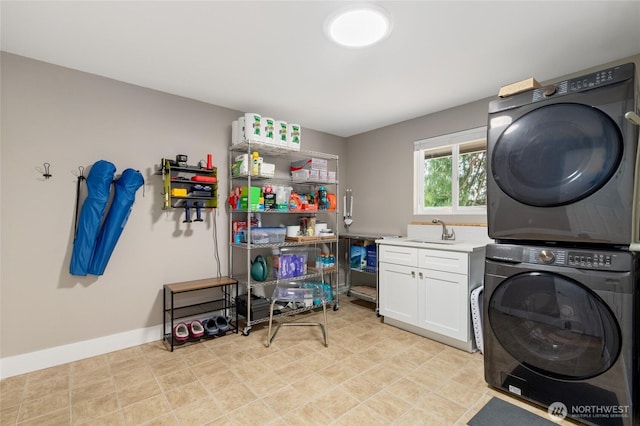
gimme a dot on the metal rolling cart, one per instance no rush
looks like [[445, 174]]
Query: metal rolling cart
[[366, 268], [249, 246]]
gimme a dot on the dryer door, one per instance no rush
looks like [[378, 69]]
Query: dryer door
[[554, 325], [557, 154]]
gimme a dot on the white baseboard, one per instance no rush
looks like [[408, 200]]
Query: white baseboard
[[38, 360], [469, 345]]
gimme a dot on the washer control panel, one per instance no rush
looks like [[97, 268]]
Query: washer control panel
[[546, 256], [562, 257], [589, 260], [576, 258]]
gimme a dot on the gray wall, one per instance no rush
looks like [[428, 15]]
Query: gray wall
[[380, 168], [380, 171], [70, 119]]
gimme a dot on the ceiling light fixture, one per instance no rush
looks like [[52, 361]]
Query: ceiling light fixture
[[359, 26]]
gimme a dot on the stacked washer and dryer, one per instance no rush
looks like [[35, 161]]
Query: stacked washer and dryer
[[561, 297]]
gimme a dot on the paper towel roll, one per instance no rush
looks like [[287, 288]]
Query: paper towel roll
[[294, 135], [234, 132], [268, 129], [241, 137], [280, 133], [252, 129]]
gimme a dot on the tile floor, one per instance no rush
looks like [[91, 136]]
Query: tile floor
[[371, 374]]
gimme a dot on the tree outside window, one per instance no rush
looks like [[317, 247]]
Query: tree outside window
[[472, 174], [451, 177]]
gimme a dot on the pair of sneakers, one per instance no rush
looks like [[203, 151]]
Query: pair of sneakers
[[183, 331], [215, 325]]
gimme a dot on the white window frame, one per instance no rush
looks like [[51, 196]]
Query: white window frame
[[454, 140]]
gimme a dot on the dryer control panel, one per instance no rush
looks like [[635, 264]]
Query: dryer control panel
[[565, 87], [585, 82]]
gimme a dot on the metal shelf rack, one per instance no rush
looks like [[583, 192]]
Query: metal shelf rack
[[241, 273], [364, 292]]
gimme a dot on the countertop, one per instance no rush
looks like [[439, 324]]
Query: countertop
[[451, 245], [366, 236]]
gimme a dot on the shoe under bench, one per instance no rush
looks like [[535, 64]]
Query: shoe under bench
[[196, 300]]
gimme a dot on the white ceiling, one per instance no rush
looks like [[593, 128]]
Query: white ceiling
[[273, 58]]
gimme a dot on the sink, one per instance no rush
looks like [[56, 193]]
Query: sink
[[446, 242]]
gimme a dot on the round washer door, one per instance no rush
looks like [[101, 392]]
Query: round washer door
[[554, 325], [556, 155]]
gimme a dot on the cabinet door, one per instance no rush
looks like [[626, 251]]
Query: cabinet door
[[443, 303], [398, 289]]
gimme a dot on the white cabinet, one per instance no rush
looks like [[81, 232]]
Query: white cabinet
[[439, 303], [427, 291], [397, 285], [443, 287], [397, 282]]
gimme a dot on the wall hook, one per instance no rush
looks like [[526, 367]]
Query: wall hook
[[46, 173], [81, 173]]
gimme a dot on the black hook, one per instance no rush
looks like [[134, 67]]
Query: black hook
[[46, 173]]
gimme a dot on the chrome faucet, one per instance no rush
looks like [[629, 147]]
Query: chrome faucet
[[446, 235]]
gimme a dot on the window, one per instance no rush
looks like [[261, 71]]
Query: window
[[450, 173]]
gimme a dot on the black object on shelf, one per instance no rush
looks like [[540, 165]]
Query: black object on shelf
[[183, 179]]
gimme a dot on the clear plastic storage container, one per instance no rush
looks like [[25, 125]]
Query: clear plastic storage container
[[268, 235]]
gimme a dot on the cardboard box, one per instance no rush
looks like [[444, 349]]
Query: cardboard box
[[300, 175], [518, 87], [256, 205], [240, 166], [372, 256], [236, 227], [256, 200], [290, 265], [239, 225], [309, 164], [305, 175], [239, 198], [358, 257], [270, 202], [255, 193], [267, 169]]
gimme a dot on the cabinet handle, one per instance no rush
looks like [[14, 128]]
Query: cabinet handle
[[413, 274], [420, 275]]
